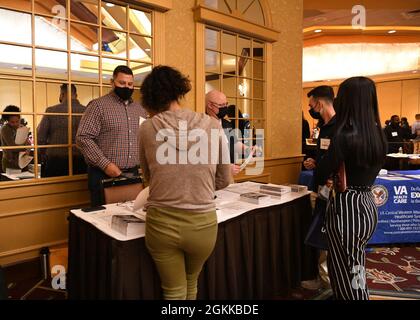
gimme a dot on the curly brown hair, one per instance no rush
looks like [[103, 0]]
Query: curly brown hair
[[163, 86]]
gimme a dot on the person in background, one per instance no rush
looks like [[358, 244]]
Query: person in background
[[53, 130], [394, 135], [321, 106], [181, 225], [107, 134], [306, 133], [406, 128], [218, 108], [387, 122], [360, 145], [415, 129], [11, 123]]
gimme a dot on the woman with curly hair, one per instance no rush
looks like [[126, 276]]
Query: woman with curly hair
[[181, 224]]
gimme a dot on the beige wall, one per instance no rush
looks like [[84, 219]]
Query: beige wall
[[34, 216], [400, 97], [180, 43], [285, 115]]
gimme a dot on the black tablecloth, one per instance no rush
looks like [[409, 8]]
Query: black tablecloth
[[258, 255]]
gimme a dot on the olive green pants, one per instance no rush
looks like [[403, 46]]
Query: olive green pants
[[180, 242]]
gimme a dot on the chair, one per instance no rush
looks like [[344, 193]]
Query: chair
[[121, 189]]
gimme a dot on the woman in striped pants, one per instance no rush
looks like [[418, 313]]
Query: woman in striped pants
[[360, 146]]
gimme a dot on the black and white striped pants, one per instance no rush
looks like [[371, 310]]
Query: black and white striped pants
[[351, 220]]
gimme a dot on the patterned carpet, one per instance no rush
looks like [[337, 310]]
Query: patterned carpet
[[394, 272]]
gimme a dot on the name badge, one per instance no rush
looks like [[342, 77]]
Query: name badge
[[395, 134], [141, 120], [325, 144]]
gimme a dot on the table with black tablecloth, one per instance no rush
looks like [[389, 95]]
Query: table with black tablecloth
[[258, 255]]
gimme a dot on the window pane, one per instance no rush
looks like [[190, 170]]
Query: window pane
[[232, 101], [15, 60], [84, 68], [12, 31], [258, 50], [212, 82], [258, 90], [51, 64], [20, 5], [47, 95], [84, 10], [229, 64], [85, 94], [219, 5], [244, 88], [255, 13], [229, 86], [52, 8], [84, 38], [54, 162], [108, 66], [212, 61], [140, 48], [229, 43], [140, 22], [17, 93], [258, 124], [114, 16], [114, 43], [106, 90], [244, 106], [140, 70], [258, 109], [79, 164], [245, 67], [11, 169], [50, 32], [52, 129], [259, 72], [244, 47], [212, 39]]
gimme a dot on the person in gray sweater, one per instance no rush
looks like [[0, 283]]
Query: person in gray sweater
[[184, 159]]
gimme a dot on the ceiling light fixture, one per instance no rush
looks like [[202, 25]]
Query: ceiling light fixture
[[318, 31], [110, 5], [392, 31]]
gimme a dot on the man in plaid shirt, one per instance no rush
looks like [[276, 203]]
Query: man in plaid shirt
[[107, 134]]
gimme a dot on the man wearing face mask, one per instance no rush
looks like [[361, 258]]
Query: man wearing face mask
[[321, 108], [218, 108], [394, 134], [107, 134]]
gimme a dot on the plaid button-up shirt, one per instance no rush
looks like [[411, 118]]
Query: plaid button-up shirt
[[108, 132]]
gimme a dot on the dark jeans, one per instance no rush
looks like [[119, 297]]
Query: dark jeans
[[95, 177]]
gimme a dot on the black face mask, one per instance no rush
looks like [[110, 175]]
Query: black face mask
[[124, 93], [223, 112], [314, 114]]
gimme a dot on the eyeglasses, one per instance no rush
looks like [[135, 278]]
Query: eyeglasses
[[221, 105]]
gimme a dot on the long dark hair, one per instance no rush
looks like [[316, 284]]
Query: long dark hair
[[358, 123]]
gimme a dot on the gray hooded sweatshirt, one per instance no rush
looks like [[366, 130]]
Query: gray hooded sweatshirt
[[184, 157]]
